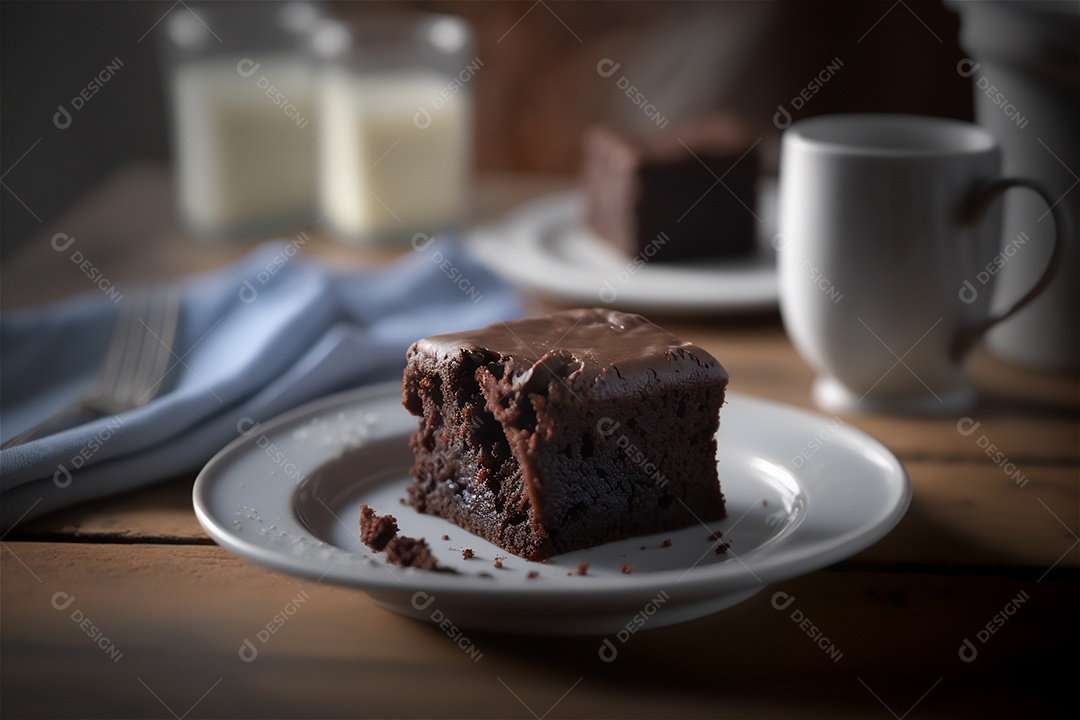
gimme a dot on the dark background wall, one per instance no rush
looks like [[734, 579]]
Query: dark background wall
[[538, 90], [49, 51]]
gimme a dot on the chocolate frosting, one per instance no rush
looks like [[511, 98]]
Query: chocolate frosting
[[587, 348]]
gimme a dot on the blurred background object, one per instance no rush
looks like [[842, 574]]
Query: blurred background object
[[538, 88], [241, 96], [396, 125], [1025, 71]]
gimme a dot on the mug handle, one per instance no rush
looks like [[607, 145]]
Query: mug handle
[[980, 202]]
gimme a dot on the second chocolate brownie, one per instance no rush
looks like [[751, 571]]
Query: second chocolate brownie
[[686, 194]]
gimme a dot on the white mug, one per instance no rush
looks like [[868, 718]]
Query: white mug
[[886, 222]]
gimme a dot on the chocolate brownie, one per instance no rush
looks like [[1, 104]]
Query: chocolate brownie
[[673, 196], [566, 431]]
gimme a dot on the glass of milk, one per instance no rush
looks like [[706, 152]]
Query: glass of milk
[[395, 127], [242, 109]]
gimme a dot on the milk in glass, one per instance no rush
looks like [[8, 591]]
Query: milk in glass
[[395, 126], [243, 116], [389, 170], [244, 132]]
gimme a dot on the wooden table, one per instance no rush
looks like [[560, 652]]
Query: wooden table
[[988, 551]]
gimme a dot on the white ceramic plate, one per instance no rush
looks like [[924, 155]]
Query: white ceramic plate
[[287, 495], [545, 247]]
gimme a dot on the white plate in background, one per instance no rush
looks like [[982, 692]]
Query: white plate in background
[[545, 247]]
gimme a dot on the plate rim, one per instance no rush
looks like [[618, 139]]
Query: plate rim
[[698, 580]]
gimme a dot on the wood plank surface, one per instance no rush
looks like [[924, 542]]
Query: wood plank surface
[[178, 617]]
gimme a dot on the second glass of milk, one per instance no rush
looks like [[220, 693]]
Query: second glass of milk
[[395, 126]]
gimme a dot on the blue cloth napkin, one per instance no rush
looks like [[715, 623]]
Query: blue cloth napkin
[[270, 332]]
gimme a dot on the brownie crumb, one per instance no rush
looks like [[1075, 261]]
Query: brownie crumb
[[531, 574], [722, 548], [410, 552], [376, 531], [644, 547], [627, 569], [583, 569], [402, 501], [467, 553], [666, 543], [380, 532], [498, 564], [445, 537], [715, 536], [764, 503]]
